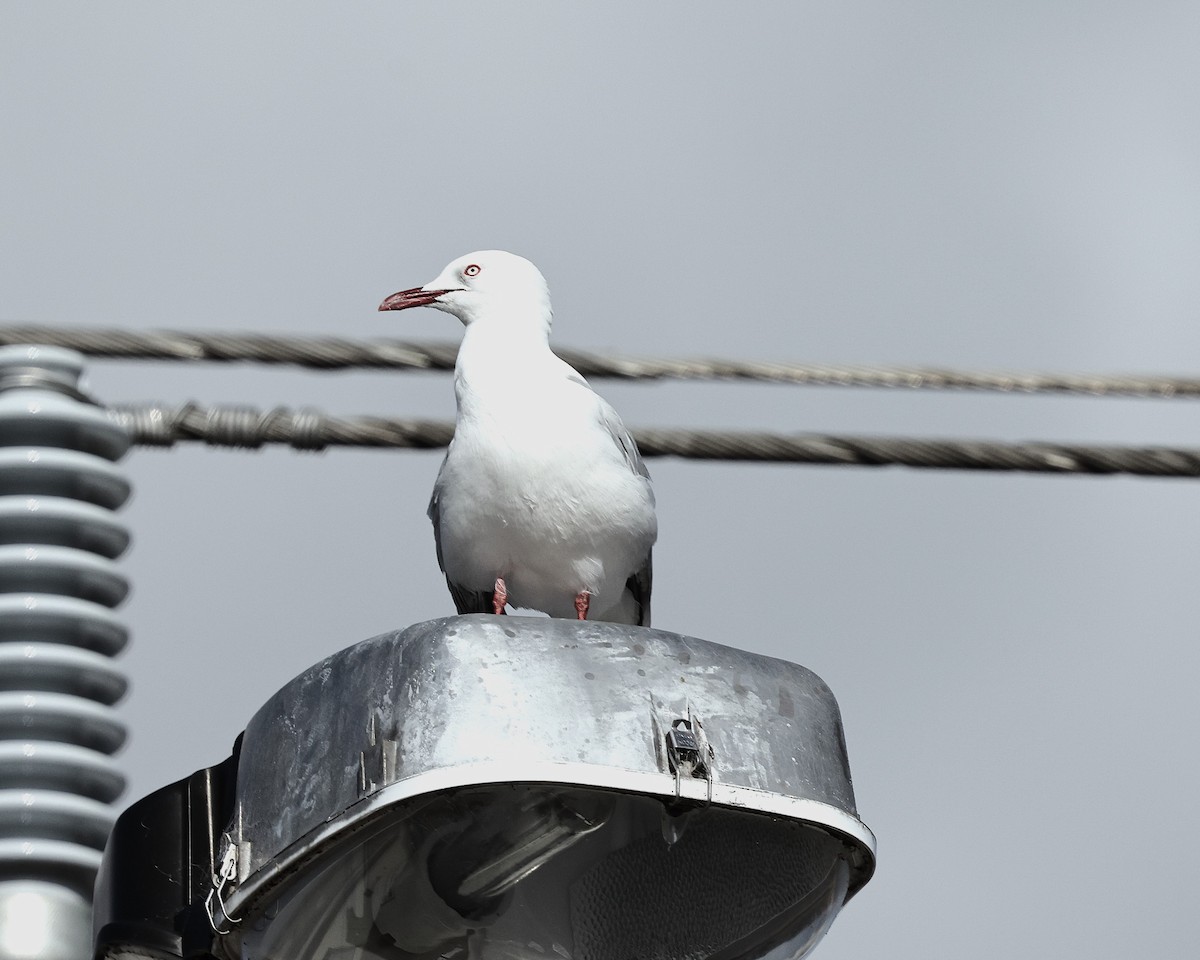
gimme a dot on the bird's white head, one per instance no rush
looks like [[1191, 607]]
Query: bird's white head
[[481, 284]]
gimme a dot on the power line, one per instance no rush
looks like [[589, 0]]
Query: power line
[[160, 425], [333, 353]]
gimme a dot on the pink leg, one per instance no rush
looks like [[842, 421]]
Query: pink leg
[[582, 599], [499, 596]]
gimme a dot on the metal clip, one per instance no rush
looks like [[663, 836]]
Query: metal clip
[[226, 875], [689, 753], [377, 762]]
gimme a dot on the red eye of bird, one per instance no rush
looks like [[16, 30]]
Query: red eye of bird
[[472, 270]]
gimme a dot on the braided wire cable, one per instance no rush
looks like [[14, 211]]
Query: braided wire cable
[[333, 353], [161, 425]]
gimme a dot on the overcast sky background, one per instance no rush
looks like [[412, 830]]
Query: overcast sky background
[[1007, 186]]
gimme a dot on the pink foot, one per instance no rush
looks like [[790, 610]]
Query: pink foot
[[582, 599], [499, 597]]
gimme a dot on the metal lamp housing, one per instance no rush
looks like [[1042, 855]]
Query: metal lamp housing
[[515, 787]]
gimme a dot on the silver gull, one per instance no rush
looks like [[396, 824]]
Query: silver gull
[[543, 501]]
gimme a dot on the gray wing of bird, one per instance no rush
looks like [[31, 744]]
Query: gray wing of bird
[[639, 586], [620, 436], [465, 601]]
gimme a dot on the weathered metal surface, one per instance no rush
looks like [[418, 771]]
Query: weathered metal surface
[[483, 699]]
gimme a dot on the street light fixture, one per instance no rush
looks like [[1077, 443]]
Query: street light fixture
[[501, 788]]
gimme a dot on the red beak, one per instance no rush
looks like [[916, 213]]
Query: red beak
[[416, 297]]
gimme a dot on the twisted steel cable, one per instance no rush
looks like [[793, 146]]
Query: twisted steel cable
[[333, 353], [161, 425]]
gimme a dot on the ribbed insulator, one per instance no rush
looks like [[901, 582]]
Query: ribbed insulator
[[59, 538]]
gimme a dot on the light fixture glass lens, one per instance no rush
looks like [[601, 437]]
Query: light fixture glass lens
[[538, 872]]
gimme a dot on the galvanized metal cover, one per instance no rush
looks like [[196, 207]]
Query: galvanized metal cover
[[483, 699]]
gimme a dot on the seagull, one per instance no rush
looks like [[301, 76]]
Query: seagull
[[543, 501]]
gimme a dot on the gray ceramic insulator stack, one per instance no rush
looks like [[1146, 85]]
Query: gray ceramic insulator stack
[[59, 583]]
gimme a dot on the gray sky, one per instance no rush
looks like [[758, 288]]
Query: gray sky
[[1011, 186]]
